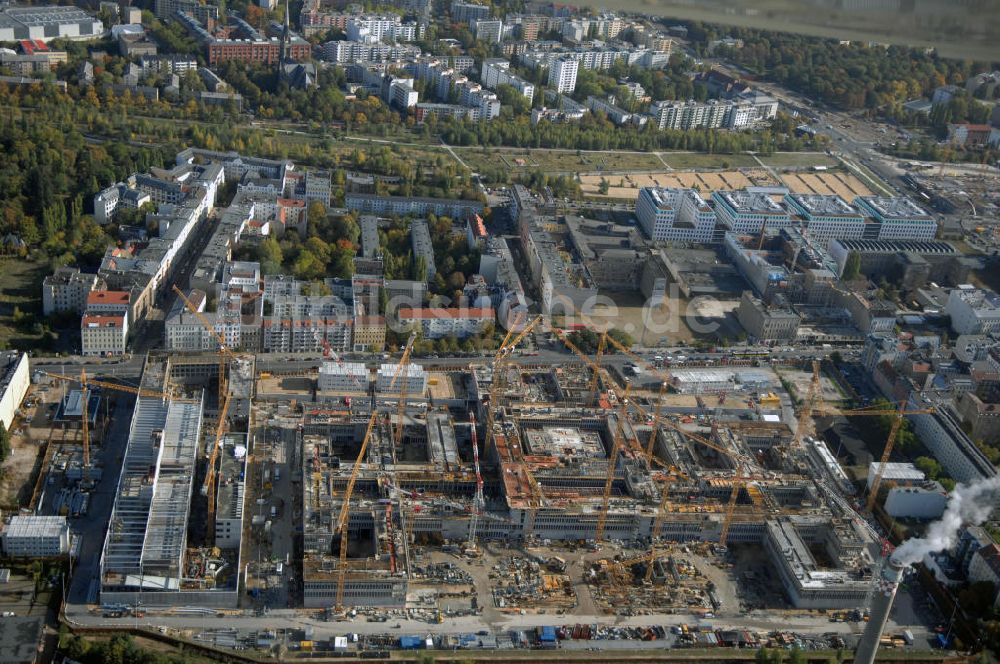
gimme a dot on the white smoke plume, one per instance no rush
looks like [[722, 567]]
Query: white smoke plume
[[969, 503]]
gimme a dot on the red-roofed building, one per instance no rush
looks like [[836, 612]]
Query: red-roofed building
[[103, 335], [32, 46], [437, 322], [108, 302]]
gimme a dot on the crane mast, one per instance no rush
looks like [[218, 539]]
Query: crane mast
[[479, 501], [345, 507]]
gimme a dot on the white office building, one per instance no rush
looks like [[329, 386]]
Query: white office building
[[676, 215], [897, 217], [827, 217], [33, 536], [562, 75], [942, 435], [747, 212]]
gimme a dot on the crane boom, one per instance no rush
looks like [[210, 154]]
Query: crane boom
[[208, 488], [345, 507], [602, 518], [86, 383], [805, 421]]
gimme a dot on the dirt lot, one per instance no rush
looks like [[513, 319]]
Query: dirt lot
[[648, 327], [28, 436], [843, 184], [628, 186]]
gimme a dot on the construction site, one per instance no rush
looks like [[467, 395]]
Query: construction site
[[558, 488]]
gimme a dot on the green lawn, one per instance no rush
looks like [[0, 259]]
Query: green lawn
[[696, 160], [20, 289], [560, 161], [781, 160]]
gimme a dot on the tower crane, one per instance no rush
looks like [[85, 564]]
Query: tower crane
[[805, 420], [479, 502], [225, 355], [499, 360], [742, 478], [897, 414], [594, 364], [602, 345], [86, 384], [609, 480], [345, 507], [224, 352]]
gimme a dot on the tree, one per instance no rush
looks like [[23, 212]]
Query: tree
[[316, 213], [270, 256], [852, 266], [4, 443], [622, 337], [308, 267], [928, 466]]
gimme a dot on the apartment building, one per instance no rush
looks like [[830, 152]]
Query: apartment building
[[258, 52], [562, 75], [368, 333], [201, 12], [66, 290], [488, 30], [467, 12], [435, 323], [412, 205], [423, 248], [375, 28], [103, 335], [496, 72], [676, 215]]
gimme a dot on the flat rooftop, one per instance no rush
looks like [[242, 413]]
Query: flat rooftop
[[743, 201], [895, 207], [825, 205]]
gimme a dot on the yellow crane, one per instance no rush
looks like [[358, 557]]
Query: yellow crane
[[224, 352], [742, 479], [502, 355], [805, 421], [609, 479], [225, 355], [86, 384], [345, 507], [897, 423], [594, 363]]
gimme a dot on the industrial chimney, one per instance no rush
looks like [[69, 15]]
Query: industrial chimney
[[885, 593]]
